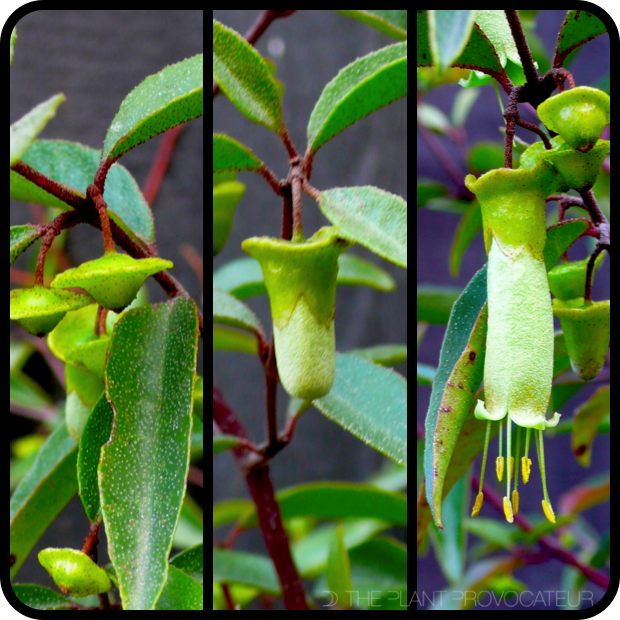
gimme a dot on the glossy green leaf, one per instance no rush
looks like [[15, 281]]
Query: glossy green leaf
[[150, 384], [228, 154], [338, 501], [38, 597], [21, 238], [366, 85], [459, 375], [245, 78], [586, 424], [96, 433], [27, 128], [390, 22], [75, 166], [371, 217], [226, 197], [224, 442], [191, 562], [181, 592], [370, 402], [246, 568], [42, 494], [164, 100], [229, 311]]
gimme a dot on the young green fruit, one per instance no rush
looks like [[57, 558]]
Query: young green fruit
[[38, 310], [579, 115], [74, 572], [113, 280], [587, 332], [301, 282]]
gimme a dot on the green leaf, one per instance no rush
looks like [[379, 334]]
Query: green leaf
[[459, 375], [245, 78], [338, 501], [229, 311], [226, 197], [27, 128], [224, 442], [164, 100], [370, 402], [22, 237], [13, 39], [391, 22], [39, 597], [144, 466], [228, 154], [247, 568], [361, 88], [371, 217], [42, 494], [181, 592], [75, 165]]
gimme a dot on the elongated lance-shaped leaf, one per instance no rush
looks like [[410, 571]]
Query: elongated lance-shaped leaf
[[143, 469], [162, 101], [22, 237], [458, 377], [366, 85], [245, 78]]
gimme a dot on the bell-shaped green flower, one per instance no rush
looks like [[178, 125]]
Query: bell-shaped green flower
[[579, 115], [113, 280], [518, 369], [587, 332], [301, 283], [38, 310], [74, 572]]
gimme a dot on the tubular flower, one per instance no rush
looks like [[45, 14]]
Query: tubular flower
[[518, 369]]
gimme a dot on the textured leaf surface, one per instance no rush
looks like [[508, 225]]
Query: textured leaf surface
[[143, 469], [245, 78], [75, 165], [366, 85], [371, 217], [22, 237], [164, 100], [27, 128], [228, 154], [391, 22]]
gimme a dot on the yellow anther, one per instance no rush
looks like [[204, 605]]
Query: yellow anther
[[526, 469], [515, 502], [508, 511], [548, 510], [500, 465], [478, 505]]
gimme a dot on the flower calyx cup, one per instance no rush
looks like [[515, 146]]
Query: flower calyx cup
[[518, 369], [300, 279], [113, 280], [39, 310], [74, 572], [587, 332], [579, 115]]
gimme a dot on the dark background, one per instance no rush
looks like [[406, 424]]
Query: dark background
[[96, 57], [435, 236], [317, 44]]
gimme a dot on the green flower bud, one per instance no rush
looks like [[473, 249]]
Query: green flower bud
[[38, 310], [587, 332], [568, 280], [579, 115], [301, 282], [113, 280], [74, 572]]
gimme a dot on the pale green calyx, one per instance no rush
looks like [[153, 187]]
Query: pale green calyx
[[301, 283], [113, 280], [579, 115], [518, 370], [74, 572]]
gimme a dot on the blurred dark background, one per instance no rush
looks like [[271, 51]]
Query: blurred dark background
[[435, 237], [96, 57], [308, 49]]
